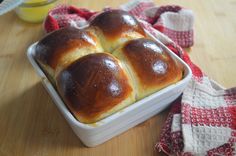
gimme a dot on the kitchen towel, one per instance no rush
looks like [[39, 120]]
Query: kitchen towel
[[203, 120]]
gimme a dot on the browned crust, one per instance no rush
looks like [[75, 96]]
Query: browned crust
[[115, 22], [92, 85], [57, 44], [96, 83], [152, 64]]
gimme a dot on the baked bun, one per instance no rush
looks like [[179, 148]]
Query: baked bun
[[95, 86], [115, 27], [100, 69], [59, 48], [150, 67]]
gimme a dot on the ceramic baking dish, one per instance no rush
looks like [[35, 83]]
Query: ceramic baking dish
[[103, 130]]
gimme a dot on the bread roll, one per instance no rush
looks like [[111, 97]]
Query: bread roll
[[59, 48], [95, 86], [149, 66], [115, 27]]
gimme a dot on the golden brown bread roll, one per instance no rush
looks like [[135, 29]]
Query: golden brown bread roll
[[115, 27], [95, 86], [149, 66], [61, 47]]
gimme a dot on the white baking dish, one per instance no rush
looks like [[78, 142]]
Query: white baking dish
[[101, 131]]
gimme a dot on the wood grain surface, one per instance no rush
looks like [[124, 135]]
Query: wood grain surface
[[30, 123]]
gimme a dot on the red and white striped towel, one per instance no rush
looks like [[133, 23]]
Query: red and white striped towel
[[172, 20], [203, 120]]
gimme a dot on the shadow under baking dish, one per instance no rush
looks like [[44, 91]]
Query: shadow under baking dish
[[103, 130]]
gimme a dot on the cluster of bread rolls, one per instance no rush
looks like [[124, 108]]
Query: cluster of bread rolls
[[106, 66]]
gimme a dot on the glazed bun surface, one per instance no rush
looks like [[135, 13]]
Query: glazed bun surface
[[115, 27], [105, 67], [150, 66], [95, 86], [63, 46]]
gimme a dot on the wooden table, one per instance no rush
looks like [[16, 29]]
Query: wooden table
[[31, 125]]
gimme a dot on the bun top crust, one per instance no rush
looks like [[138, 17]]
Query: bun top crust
[[93, 84], [55, 45], [115, 22], [105, 67], [152, 65]]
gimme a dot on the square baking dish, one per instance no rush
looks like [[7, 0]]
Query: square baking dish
[[103, 130]]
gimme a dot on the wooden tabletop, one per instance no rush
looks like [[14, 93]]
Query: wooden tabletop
[[30, 123]]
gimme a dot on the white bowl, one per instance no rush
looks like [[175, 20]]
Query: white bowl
[[103, 130]]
